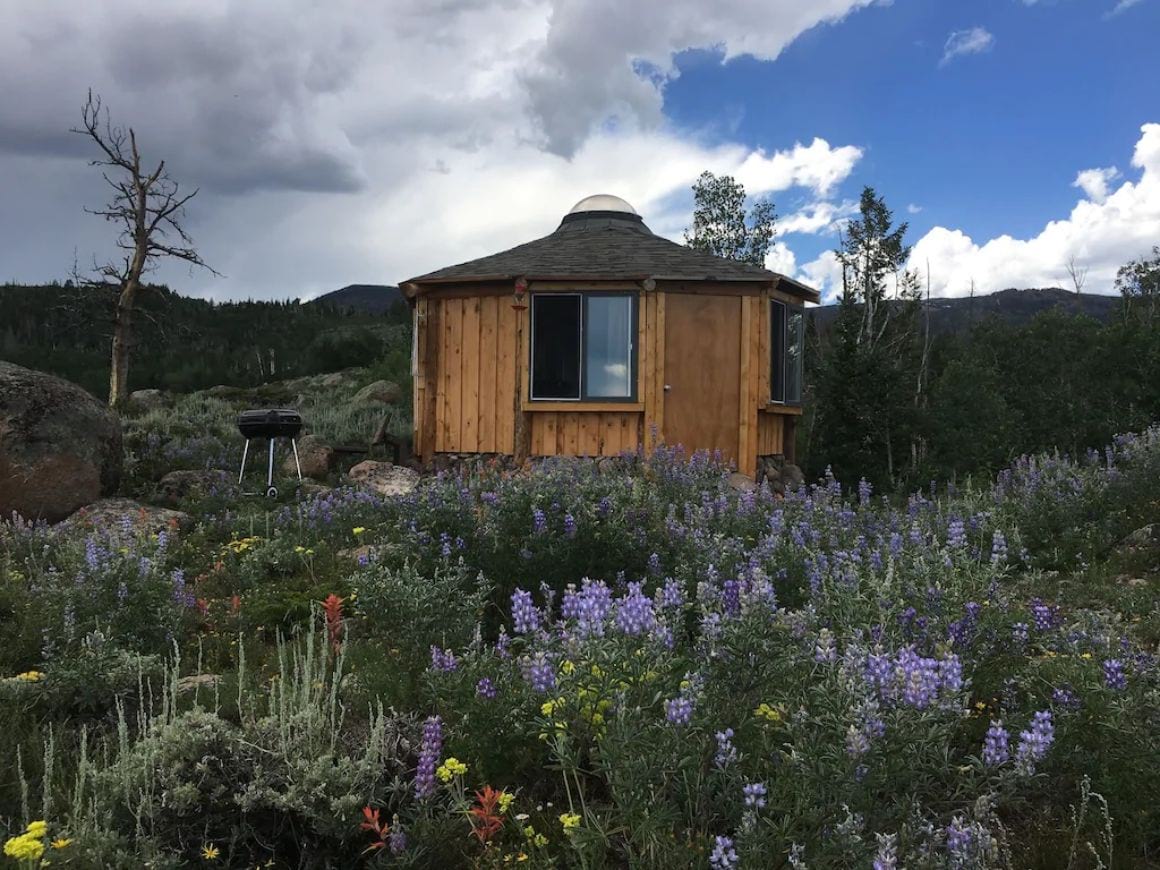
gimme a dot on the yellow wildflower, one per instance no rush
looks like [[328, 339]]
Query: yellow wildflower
[[358, 530], [24, 848], [61, 843], [529, 831], [570, 821], [210, 852], [523, 856], [30, 676], [567, 667], [37, 829], [540, 840], [1086, 655], [450, 768], [765, 711], [505, 801], [548, 708], [596, 672]]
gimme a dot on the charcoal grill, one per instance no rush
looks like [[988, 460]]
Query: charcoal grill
[[271, 424]]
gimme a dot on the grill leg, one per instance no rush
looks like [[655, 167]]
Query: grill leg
[[297, 464], [270, 471], [245, 453]]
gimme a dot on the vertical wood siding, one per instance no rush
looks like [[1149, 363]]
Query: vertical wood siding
[[584, 433], [473, 371]]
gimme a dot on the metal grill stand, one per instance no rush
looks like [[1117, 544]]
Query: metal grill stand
[[270, 424]]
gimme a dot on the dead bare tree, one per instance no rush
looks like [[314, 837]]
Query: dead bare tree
[[148, 207], [1077, 273]]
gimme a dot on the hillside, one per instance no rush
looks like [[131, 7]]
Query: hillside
[[363, 298], [185, 344], [1015, 307]]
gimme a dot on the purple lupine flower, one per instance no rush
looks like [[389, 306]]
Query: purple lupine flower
[[397, 840], [540, 673], [430, 748], [723, 856], [956, 534], [950, 672], [569, 526], [864, 491], [604, 506], [960, 839], [634, 612], [995, 745], [1114, 675], [887, 856], [525, 616], [502, 643], [857, 743], [754, 793], [594, 606], [570, 602], [539, 522], [1020, 634], [671, 596], [654, 565], [824, 649], [998, 548], [443, 660], [726, 751], [485, 688], [1065, 697], [1042, 614], [1034, 743], [679, 710]]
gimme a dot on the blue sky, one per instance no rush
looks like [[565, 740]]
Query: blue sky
[[350, 142], [989, 143]]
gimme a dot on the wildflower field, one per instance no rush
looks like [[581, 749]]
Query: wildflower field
[[583, 667]]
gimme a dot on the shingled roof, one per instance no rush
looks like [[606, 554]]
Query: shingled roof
[[606, 245]]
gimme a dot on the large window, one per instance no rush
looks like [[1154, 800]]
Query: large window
[[787, 346], [582, 346]]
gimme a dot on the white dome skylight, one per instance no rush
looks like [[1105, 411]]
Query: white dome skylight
[[602, 202]]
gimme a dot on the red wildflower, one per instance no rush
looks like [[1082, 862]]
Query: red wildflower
[[376, 827], [486, 821], [235, 603], [332, 607]]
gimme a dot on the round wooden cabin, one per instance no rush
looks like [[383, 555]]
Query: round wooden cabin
[[603, 337]]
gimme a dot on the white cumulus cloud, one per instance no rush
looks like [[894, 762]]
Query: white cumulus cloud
[[1104, 230], [974, 40]]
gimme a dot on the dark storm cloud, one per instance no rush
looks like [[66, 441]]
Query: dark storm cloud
[[236, 102]]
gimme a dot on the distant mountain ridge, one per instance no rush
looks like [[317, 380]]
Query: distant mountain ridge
[[953, 314], [362, 298], [947, 314]]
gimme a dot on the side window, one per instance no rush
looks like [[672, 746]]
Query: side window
[[777, 351], [787, 350], [795, 335]]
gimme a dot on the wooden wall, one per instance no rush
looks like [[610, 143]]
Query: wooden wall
[[469, 385], [584, 433], [467, 381]]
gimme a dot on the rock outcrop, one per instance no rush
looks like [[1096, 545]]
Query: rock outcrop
[[379, 393], [60, 448], [384, 478], [315, 455], [120, 512]]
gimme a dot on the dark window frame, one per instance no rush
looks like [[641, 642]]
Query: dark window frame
[[780, 316], [584, 395]]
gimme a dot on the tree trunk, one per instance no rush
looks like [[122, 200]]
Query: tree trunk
[[119, 365]]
